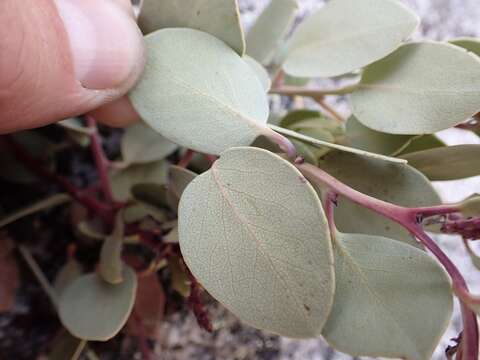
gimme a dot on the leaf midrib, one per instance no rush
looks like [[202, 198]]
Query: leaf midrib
[[343, 250], [325, 43], [259, 246], [256, 125]]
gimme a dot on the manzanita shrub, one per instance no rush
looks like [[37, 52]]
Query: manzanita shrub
[[302, 224]]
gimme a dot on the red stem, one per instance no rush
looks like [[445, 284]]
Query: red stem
[[211, 158], [283, 142], [186, 158], [470, 325], [410, 218], [101, 161], [97, 207]]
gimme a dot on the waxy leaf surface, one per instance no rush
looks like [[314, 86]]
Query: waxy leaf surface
[[199, 93], [261, 72], [253, 232], [220, 18], [269, 30], [392, 300], [346, 35], [92, 309], [419, 89]]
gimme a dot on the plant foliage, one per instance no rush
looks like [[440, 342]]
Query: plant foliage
[[305, 226]]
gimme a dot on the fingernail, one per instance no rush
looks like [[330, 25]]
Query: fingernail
[[105, 42]]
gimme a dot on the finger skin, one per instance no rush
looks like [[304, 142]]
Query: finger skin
[[37, 77]]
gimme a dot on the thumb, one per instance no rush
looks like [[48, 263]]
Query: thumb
[[62, 58]]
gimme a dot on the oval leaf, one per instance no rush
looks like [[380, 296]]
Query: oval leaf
[[392, 300], [199, 93], [141, 144], [395, 183], [447, 163], [420, 88], [346, 35], [92, 309], [220, 18], [253, 231], [268, 32]]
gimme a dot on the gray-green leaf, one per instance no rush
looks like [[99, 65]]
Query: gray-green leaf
[[141, 144], [346, 35], [361, 137], [253, 231], [92, 309], [447, 163], [261, 72], [392, 300], [268, 32], [395, 183], [199, 93], [123, 180], [420, 88], [67, 274], [220, 18]]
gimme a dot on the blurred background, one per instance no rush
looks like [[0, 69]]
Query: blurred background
[[181, 338]]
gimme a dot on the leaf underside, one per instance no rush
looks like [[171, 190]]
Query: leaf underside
[[253, 231]]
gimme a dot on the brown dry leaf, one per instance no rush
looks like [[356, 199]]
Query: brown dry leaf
[[9, 274], [149, 308]]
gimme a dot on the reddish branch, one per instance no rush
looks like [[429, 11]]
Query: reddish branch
[[197, 305], [472, 125], [411, 219], [468, 228], [186, 158], [100, 159], [99, 208]]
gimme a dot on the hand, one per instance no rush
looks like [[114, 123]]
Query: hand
[[63, 58]]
